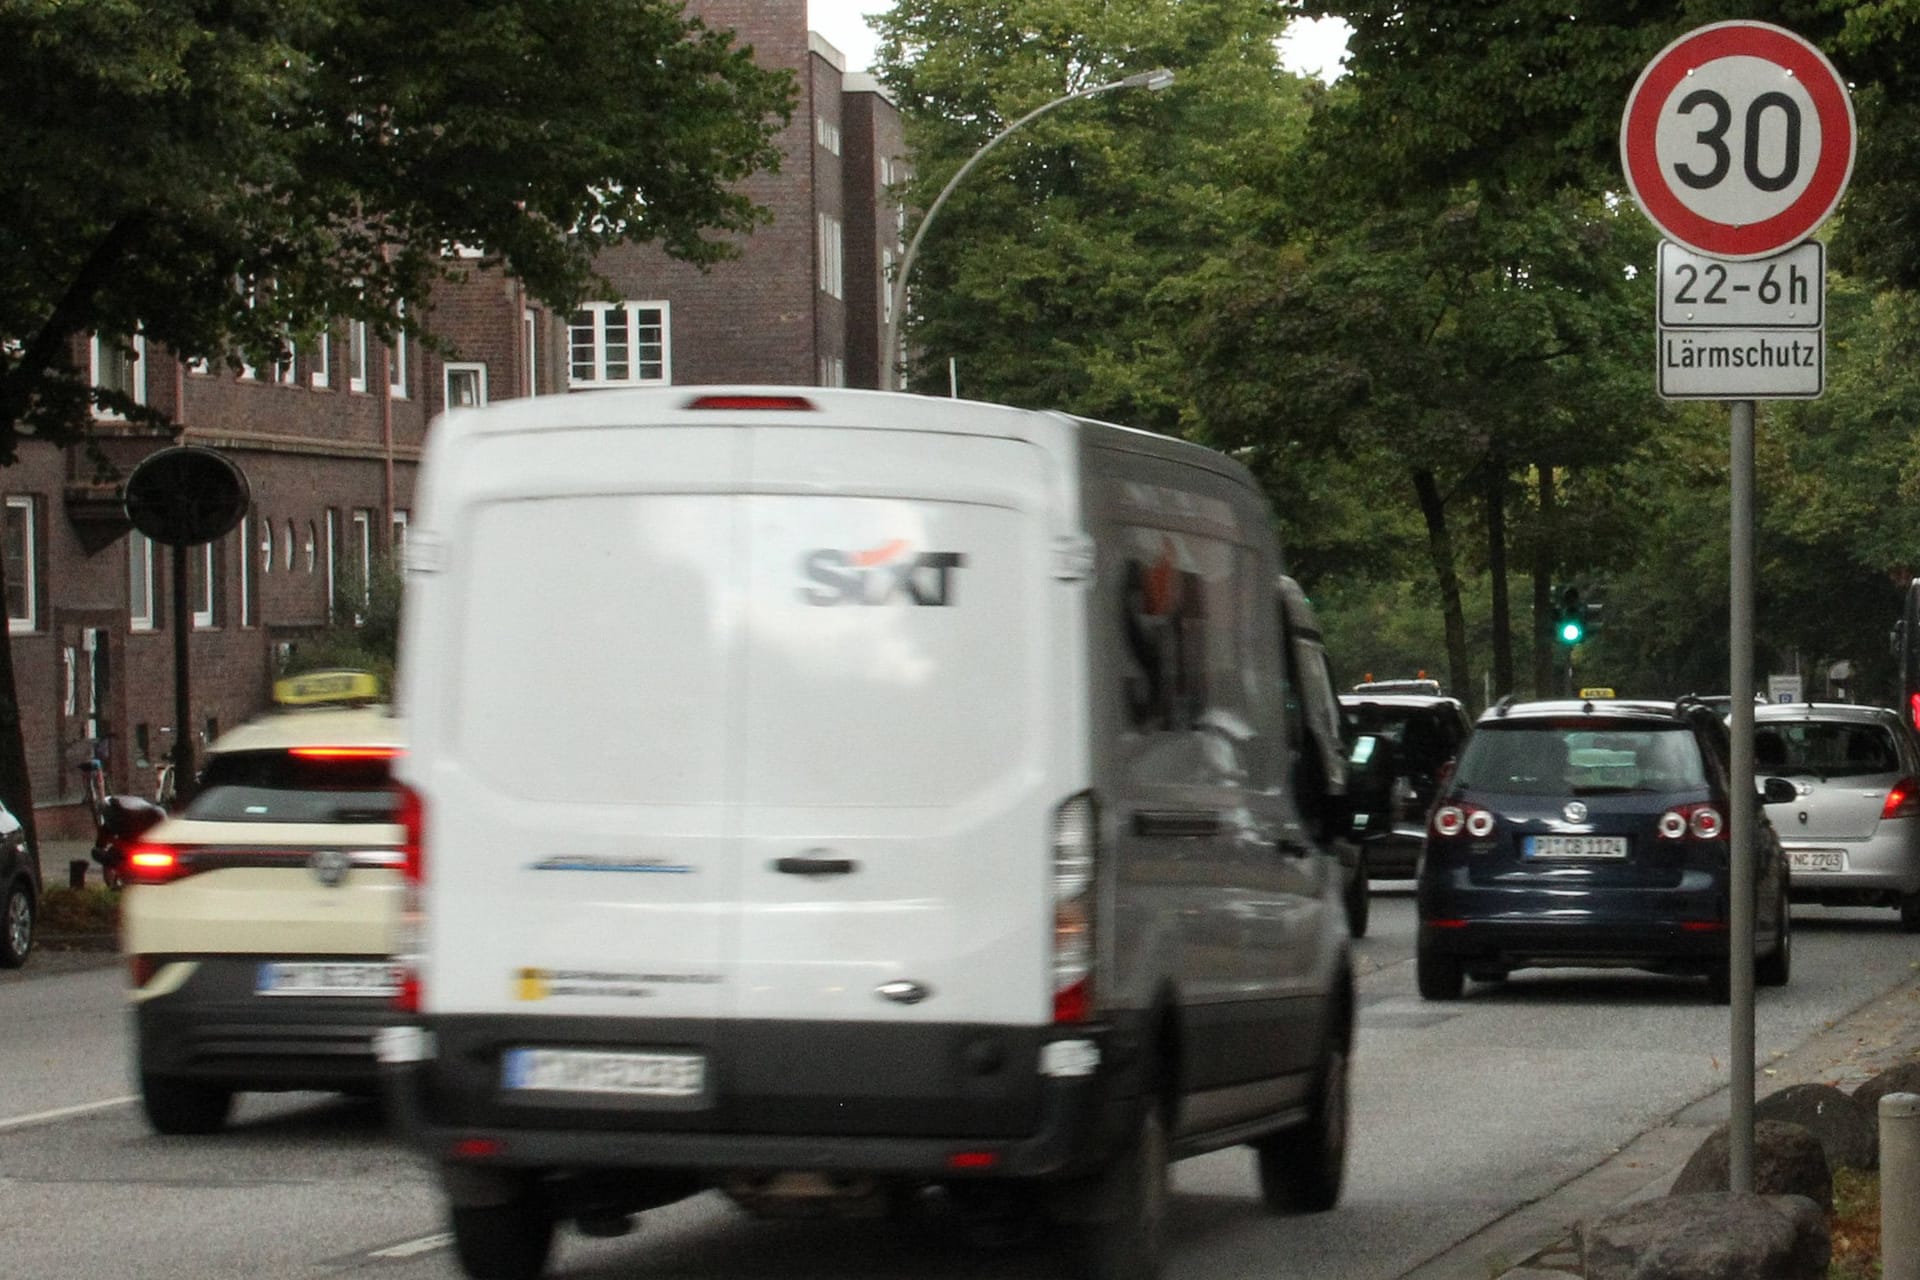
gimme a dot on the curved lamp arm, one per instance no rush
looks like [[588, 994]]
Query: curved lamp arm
[[1153, 81]]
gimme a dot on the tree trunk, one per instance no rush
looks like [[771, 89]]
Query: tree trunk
[[16, 782], [1543, 545], [1497, 570], [1440, 549]]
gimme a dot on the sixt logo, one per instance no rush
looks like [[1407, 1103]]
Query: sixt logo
[[880, 576]]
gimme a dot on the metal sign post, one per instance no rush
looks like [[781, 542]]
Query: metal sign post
[[1737, 142]]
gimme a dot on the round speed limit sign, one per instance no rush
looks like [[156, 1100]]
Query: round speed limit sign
[[1738, 140]]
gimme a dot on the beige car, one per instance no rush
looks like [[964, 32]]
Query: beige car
[[258, 921]]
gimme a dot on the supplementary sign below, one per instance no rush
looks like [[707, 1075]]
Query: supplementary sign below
[[1742, 364], [1787, 291]]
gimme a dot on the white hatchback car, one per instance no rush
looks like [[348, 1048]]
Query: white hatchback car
[[1852, 835], [258, 921]]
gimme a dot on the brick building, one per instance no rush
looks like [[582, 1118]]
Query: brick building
[[330, 443]]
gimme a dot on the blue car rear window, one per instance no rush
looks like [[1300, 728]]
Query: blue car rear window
[[1556, 759]]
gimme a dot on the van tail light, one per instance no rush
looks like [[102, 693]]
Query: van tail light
[[1913, 710], [1699, 821], [1453, 820], [409, 943], [147, 862], [1076, 846], [1903, 801], [753, 403], [140, 969]]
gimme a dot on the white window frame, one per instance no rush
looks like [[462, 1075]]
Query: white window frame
[[293, 542], [363, 551], [266, 546], [320, 376], [287, 372], [28, 577], [530, 334], [397, 367], [203, 604], [357, 355], [401, 520], [454, 369], [139, 375], [599, 311], [833, 257], [330, 564], [140, 584], [245, 569]]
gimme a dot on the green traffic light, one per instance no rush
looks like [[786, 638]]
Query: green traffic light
[[1571, 632]]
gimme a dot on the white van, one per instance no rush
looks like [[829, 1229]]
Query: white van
[[822, 795]]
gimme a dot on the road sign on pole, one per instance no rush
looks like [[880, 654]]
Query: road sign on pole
[[1738, 139]]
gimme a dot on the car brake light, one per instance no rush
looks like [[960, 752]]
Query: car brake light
[[1903, 801], [753, 403], [1701, 821], [1449, 820], [149, 863], [1076, 844], [1913, 709], [343, 753]]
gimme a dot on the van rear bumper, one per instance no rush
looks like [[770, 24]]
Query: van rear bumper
[[828, 1111]]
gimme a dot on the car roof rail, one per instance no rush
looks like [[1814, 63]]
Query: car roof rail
[[1503, 706]]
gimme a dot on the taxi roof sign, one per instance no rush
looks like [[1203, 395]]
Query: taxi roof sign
[[1598, 691], [320, 688]]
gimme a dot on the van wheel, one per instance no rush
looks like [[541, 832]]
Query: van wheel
[[1910, 913], [1123, 1239], [16, 928], [504, 1241], [1440, 976], [1302, 1169], [176, 1106], [1359, 900], [1720, 984], [1776, 967]]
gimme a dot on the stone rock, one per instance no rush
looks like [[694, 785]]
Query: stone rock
[[1787, 1161], [1848, 1131], [1904, 1078], [1713, 1236]]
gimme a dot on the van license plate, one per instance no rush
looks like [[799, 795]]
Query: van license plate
[[324, 978], [1576, 846], [641, 1075], [1816, 860]]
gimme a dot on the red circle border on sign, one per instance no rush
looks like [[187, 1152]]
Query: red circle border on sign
[[1640, 125]]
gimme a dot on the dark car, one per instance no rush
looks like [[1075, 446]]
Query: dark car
[[1418, 734], [1593, 834], [20, 880]]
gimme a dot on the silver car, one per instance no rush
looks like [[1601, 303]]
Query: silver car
[[1852, 835]]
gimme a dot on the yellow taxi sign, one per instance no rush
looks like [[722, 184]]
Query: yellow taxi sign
[[1597, 692], [315, 687]]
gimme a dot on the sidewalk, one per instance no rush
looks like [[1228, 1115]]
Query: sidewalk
[[1535, 1242]]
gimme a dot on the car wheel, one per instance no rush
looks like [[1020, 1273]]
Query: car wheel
[[1441, 976], [1720, 984], [1776, 967], [1910, 913], [504, 1241], [16, 928], [1122, 1241], [1359, 899], [1303, 1168], [176, 1106]]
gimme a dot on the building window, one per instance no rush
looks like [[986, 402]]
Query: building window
[[200, 585], [119, 365], [266, 547], [140, 600], [531, 336], [827, 133], [362, 553], [321, 374], [466, 386], [313, 554], [23, 565], [400, 519], [833, 262], [397, 367], [286, 371], [244, 562], [620, 344], [357, 355], [331, 540], [286, 552]]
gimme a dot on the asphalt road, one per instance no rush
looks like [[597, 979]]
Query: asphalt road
[[1465, 1113]]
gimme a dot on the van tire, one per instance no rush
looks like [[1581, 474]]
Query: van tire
[[1303, 1169], [1438, 975], [1124, 1237], [175, 1106], [1776, 967], [1359, 899], [507, 1241], [1910, 913]]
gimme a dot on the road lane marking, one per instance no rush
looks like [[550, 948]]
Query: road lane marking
[[61, 1113], [425, 1244]]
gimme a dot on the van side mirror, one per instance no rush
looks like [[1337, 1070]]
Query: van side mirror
[[1778, 791]]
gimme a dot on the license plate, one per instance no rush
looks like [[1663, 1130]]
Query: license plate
[[638, 1075], [326, 978], [1576, 847], [1816, 860]]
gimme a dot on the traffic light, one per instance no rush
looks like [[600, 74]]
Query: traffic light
[[1569, 617]]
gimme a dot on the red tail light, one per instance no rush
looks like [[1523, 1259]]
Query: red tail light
[[409, 944], [149, 863], [412, 819], [1076, 855], [1903, 801], [753, 403], [1701, 821], [1451, 820], [1913, 709], [141, 970], [343, 753]]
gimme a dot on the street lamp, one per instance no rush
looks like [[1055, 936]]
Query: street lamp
[[1152, 81]]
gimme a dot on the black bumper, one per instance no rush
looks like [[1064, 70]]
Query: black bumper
[[923, 1102], [215, 1028]]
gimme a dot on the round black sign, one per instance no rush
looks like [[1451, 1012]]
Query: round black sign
[[186, 495]]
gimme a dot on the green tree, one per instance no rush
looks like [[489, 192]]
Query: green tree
[[223, 177]]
